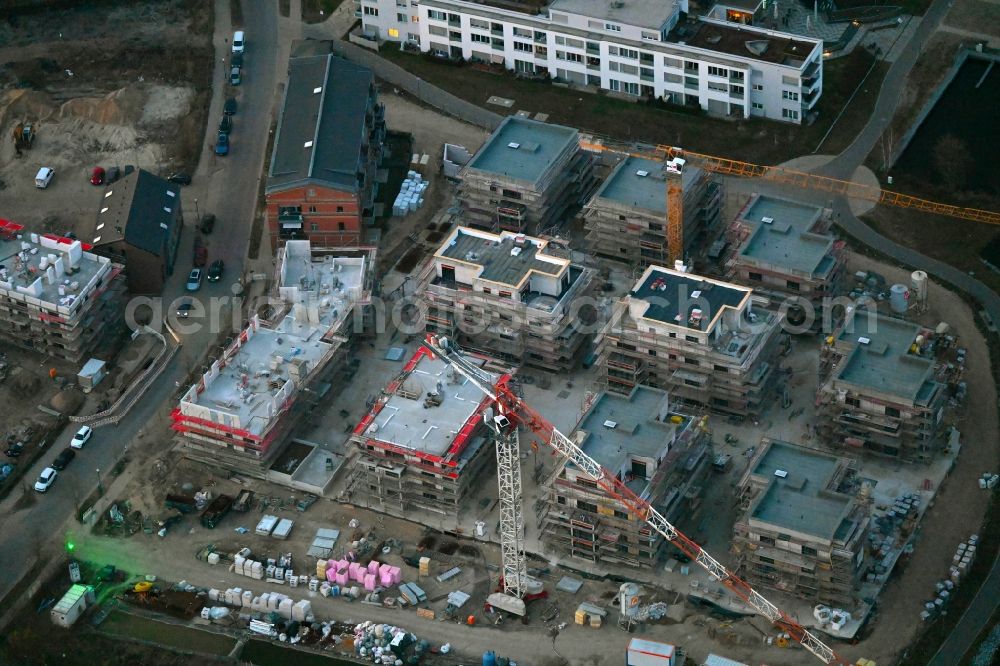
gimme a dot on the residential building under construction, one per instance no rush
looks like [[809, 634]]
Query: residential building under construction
[[525, 177], [881, 388], [507, 295], [423, 442], [699, 339], [804, 524], [661, 455], [784, 250], [626, 218], [238, 414], [56, 298]]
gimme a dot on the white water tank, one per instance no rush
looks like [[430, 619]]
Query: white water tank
[[899, 296], [918, 284]]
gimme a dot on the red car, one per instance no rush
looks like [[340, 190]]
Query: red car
[[97, 176]]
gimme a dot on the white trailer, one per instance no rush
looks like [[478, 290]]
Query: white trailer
[[69, 609], [649, 653]]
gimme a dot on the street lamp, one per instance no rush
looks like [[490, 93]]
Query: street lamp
[[100, 488], [197, 214]]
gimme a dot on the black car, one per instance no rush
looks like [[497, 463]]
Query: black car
[[230, 108], [63, 459], [237, 59], [215, 270], [112, 175], [226, 124], [14, 450], [180, 178], [184, 309], [207, 223]]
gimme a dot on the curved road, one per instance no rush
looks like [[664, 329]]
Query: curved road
[[225, 186]]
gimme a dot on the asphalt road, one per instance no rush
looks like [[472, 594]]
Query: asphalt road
[[225, 186]]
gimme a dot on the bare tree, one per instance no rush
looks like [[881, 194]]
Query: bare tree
[[952, 161]]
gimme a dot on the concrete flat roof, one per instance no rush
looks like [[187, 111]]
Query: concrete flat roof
[[640, 13], [539, 145], [800, 501], [328, 284], [637, 432], [784, 245], [885, 363], [493, 253], [666, 291], [626, 185], [780, 48], [50, 271], [441, 432]]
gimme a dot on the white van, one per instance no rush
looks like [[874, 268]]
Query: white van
[[239, 42], [44, 177]]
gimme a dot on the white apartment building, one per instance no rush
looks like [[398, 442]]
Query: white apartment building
[[636, 48]]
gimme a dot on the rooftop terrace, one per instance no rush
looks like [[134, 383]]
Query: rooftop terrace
[[440, 432], [523, 149], [638, 430], [731, 39], [640, 183], [800, 501], [496, 255], [884, 363], [672, 296], [51, 271]]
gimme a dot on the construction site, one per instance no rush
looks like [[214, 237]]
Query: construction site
[[596, 403]]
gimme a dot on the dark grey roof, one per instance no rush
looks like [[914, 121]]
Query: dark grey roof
[[672, 296], [141, 209], [332, 120], [499, 265]]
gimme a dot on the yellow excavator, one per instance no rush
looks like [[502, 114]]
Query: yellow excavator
[[24, 136]]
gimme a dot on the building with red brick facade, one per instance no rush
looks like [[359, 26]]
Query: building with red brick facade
[[321, 181]]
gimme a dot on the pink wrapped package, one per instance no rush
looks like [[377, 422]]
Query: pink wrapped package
[[373, 567], [397, 575], [341, 579], [352, 570], [385, 580], [370, 582], [331, 575]]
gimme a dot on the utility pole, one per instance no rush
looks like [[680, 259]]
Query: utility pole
[[100, 487]]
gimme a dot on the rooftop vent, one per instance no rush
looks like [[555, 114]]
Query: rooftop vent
[[714, 39], [781, 474], [514, 251], [610, 424], [758, 47], [641, 173], [864, 341], [767, 220], [171, 194], [307, 144], [696, 293], [317, 90], [514, 145]]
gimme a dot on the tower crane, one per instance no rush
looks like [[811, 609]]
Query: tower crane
[[512, 411], [676, 159]]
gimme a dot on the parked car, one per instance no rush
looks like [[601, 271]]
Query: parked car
[[179, 178], [236, 60], [239, 41], [113, 174], [44, 177], [63, 459], [46, 479], [207, 223], [230, 108], [215, 270], [222, 144], [81, 437], [97, 176], [235, 76], [194, 280], [16, 449], [184, 309], [226, 124]]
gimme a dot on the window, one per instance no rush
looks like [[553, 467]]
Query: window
[[756, 106], [650, 36], [806, 550], [652, 352], [768, 560], [416, 19], [413, 37], [672, 62], [314, 226], [522, 46], [569, 57], [394, 32], [784, 537], [438, 30], [479, 24], [892, 411], [691, 361], [631, 54], [736, 91], [341, 227], [717, 71], [504, 294], [791, 114], [435, 15], [691, 338], [521, 32], [289, 210], [370, 11], [720, 368], [586, 506], [853, 402], [612, 27], [788, 94], [792, 286], [755, 277], [312, 209], [690, 66], [758, 87], [766, 540], [340, 209], [718, 87], [629, 69], [487, 290], [482, 39], [736, 75]]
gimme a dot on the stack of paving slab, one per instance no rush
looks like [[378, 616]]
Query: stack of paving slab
[[268, 602], [244, 566], [411, 195]]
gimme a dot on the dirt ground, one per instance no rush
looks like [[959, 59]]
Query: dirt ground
[[135, 95]]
